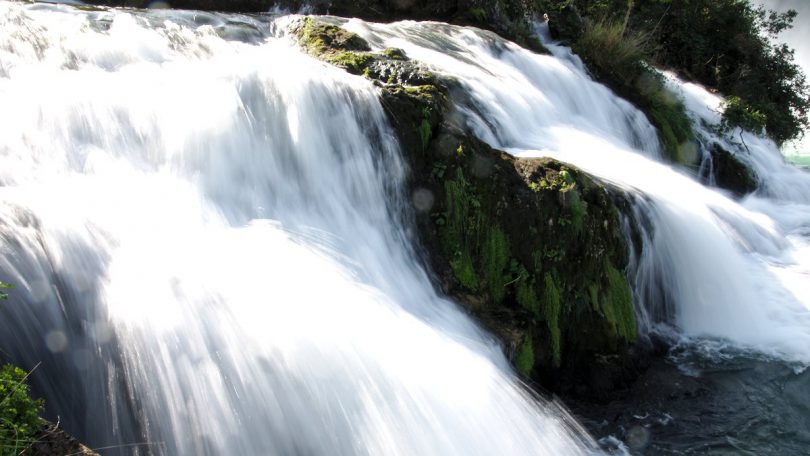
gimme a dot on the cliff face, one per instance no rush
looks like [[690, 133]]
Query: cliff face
[[531, 247]]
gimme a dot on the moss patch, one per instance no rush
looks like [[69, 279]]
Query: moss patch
[[618, 304], [551, 312], [495, 255], [334, 45], [530, 247], [524, 359]]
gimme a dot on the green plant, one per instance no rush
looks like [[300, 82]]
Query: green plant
[[460, 229], [425, 129], [578, 210], [729, 45], [526, 296], [394, 53], [19, 413], [524, 361], [551, 312], [4, 286], [739, 114], [494, 257], [618, 304], [612, 50]]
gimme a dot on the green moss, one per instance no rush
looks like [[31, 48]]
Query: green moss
[[618, 305], [19, 414], [334, 45], [578, 210], [319, 37], [394, 53], [551, 312], [524, 361], [462, 223], [674, 126], [458, 211], [527, 298], [593, 296], [477, 14], [494, 257], [425, 132], [464, 270], [353, 62]]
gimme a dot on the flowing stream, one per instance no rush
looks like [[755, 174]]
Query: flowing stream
[[726, 282], [728, 270], [209, 229], [203, 227]]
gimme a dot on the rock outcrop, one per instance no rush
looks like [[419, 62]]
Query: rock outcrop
[[531, 247], [54, 441]]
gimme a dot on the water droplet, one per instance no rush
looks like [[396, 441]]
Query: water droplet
[[56, 341], [423, 200]]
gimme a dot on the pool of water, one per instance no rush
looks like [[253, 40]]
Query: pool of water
[[699, 401]]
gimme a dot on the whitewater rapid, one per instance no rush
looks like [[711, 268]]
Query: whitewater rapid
[[725, 272], [204, 228]]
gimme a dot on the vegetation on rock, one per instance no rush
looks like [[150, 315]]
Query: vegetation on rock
[[530, 247], [730, 173], [19, 413], [724, 44], [620, 58]]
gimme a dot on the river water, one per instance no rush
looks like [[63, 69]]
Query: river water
[[207, 232]]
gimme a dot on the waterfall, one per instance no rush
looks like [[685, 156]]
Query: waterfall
[[724, 272], [204, 228]]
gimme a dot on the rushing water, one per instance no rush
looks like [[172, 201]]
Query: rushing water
[[203, 227], [730, 270], [716, 276]]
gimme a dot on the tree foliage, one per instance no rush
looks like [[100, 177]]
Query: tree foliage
[[729, 45], [19, 413]]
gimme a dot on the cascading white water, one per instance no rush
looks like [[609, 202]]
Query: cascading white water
[[729, 271], [203, 227]]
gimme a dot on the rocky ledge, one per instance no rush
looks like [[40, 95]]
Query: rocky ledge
[[532, 248]]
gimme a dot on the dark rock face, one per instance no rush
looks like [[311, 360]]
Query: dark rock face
[[54, 441], [730, 173], [566, 24], [531, 247]]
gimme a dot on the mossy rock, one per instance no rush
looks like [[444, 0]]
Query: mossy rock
[[731, 173], [531, 247], [334, 45]]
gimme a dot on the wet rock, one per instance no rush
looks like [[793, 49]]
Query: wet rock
[[54, 441], [731, 173], [530, 247], [566, 24]]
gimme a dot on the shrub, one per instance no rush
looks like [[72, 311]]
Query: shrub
[[19, 413], [614, 52], [737, 113], [725, 44], [618, 57]]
